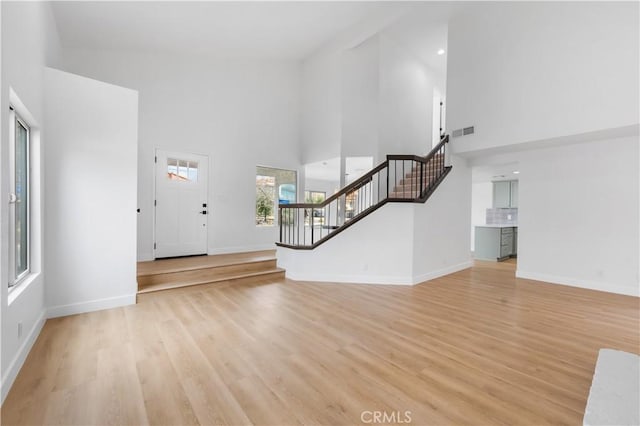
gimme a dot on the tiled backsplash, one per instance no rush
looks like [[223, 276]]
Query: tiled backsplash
[[502, 216]]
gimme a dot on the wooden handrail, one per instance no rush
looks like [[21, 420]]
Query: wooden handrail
[[362, 180], [418, 158], [433, 152]]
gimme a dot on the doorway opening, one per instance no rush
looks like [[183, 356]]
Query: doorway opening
[[494, 212]]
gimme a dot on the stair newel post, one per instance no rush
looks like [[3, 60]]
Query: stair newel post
[[446, 152]]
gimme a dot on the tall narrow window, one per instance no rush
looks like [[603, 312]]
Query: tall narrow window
[[19, 198]]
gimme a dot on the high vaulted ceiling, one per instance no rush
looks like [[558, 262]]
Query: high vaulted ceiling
[[280, 30]]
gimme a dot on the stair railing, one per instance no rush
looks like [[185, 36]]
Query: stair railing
[[400, 178]]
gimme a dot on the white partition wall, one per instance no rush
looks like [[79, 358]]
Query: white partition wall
[[90, 193]]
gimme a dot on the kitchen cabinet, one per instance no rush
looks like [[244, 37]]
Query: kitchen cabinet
[[495, 242], [505, 194]]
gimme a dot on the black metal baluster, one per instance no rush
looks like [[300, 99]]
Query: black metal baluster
[[298, 225], [388, 171], [311, 224], [403, 177], [328, 219], [421, 178]]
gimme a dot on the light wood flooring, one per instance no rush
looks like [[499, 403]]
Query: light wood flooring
[[476, 347]]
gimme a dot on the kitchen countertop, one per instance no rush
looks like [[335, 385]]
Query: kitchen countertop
[[494, 225]]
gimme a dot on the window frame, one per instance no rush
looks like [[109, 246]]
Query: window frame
[[14, 278]]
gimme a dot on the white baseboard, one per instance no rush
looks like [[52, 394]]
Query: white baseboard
[[90, 306], [376, 279], [21, 356], [576, 282], [241, 249], [442, 272]]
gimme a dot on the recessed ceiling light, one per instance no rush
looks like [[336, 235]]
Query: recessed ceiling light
[[516, 172], [440, 51]]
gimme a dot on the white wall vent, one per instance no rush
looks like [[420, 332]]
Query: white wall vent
[[463, 132]]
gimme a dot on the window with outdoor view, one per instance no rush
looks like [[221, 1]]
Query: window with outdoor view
[[317, 216], [19, 201], [273, 187]]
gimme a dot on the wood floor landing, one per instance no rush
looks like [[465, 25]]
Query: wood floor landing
[[477, 347], [172, 273]]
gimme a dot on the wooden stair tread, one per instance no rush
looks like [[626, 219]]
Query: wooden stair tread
[[166, 266], [230, 277]]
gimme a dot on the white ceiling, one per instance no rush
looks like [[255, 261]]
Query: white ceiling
[[291, 30]]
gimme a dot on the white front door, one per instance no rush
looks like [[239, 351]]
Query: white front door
[[181, 206]]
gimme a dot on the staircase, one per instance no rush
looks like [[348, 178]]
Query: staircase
[[400, 178], [409, 186], [166, 274]]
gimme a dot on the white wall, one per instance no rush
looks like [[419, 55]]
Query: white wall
[[532, 71], [327, 186], [406, 101], [361, 100], [372, 99], [29, 42], [239, 113], [441, 226], [91, 167], [481, 200], [579, 215], [322, 85], [321, 103], [387, 101]]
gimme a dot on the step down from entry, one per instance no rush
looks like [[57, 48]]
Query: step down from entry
[[164, 274]]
